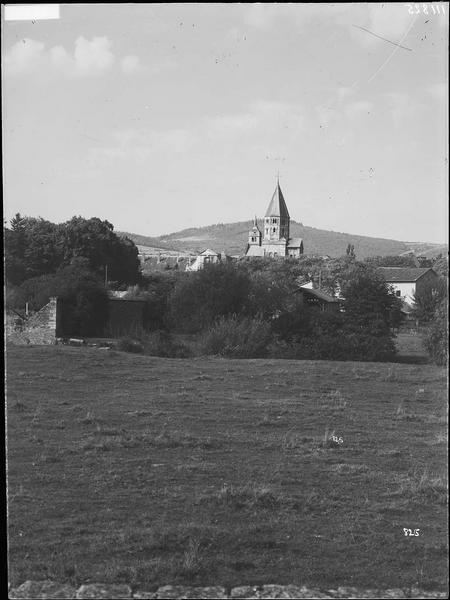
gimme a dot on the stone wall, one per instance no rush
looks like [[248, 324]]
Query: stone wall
[[40, 328], [125, 317], [50, 589]]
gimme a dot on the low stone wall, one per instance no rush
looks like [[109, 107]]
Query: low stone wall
[[38, 329], [50, 589]]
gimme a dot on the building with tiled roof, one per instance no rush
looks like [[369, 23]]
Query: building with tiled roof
[[318, 298], [407, 281], [274, 241], [206, 257]]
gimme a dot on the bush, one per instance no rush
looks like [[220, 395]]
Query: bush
[[368, 347], [162, 343], [436, 337], [236, 337], [427, 300], [127, 344], [84, 299], [330, 346], [200, 297], [155, 290]]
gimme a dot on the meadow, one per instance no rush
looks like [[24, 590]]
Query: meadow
[[207, 471]]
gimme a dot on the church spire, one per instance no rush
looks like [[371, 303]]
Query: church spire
[[277, 206]]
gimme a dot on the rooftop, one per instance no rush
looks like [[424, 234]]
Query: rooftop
[[319, 294], [277, 206], [404, 274], [294, 242]]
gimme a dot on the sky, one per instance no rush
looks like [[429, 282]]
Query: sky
[[159, 117]]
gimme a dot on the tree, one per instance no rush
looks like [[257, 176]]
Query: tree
[[43, 253], [350, 250], [440, 265], [200, 297], [407, 260], [82, 293], [428, 298], [155, 290], [370, 306], [35, 247], [368, 298], [424, 262], [96, 241], [436, 337], [30, 248], [295, 321]]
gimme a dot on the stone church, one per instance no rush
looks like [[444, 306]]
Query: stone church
[[275, 241]]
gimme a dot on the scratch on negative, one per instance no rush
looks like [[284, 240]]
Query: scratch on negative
[[382, 38], [397, 46]]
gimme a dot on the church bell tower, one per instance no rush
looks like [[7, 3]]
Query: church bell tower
[[254, 235]]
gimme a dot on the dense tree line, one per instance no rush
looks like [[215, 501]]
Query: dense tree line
[[69, 260], [35, 247], [252, 308], [246, 308]]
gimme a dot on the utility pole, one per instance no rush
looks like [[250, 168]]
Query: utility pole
[[106, 276]]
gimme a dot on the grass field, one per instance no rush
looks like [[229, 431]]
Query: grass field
[[153, 471]]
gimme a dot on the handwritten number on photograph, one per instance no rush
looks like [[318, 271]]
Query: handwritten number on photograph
[[411, 532]]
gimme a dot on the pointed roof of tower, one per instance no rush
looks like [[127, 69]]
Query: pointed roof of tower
[[277, 206], [255, 224]]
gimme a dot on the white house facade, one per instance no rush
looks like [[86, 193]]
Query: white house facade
[[406, 281]]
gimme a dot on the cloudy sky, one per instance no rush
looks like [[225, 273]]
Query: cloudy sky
[[161, 117]]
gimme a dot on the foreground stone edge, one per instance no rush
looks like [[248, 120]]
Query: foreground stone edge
[[52, 590]]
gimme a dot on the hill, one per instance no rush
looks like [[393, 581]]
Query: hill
[[232, 238]]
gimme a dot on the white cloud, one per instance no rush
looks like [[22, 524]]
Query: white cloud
[[344, 92], [90, 57], [390, 19], [23, 55], [260, 125], [138, 146], [327, 115], [264, 16], [261, 16], [131, 64], [401, 106], [60, 58], [439, 91], [263, 117], [165, 64], [94, 56], [359, 108]]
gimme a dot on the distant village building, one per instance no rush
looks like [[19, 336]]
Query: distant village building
[[407, 281], [275, 240], [204, 258], [319, 299]]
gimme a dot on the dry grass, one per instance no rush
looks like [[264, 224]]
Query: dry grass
[[426, 482], [250, 496], [130, 468]]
